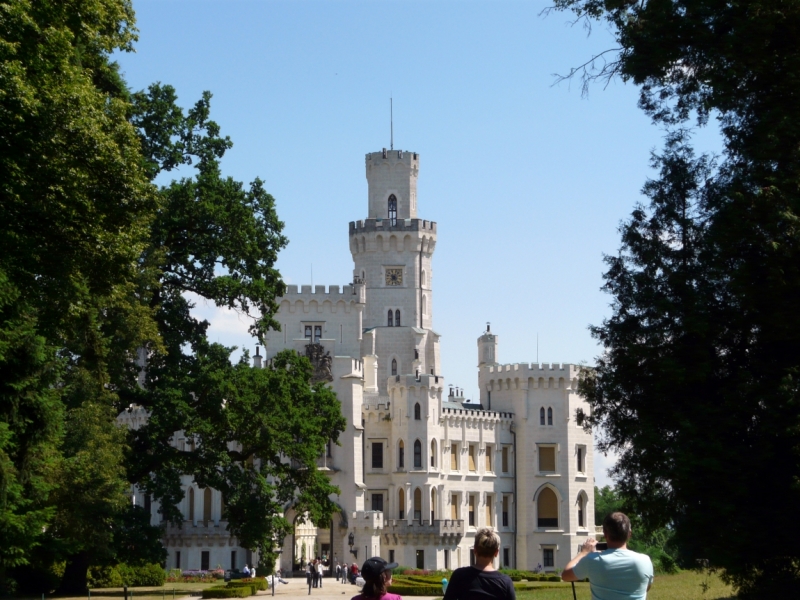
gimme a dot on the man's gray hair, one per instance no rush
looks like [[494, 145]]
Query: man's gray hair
[[487, 542]]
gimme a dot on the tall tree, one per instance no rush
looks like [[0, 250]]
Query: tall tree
[[698, 383], [75, 208], [253, 434]]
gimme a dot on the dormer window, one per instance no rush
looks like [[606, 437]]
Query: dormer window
[[392, 210]]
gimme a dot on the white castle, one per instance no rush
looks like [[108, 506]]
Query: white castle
[[419, 469]]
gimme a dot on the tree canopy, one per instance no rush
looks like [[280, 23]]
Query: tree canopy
[[697, 385], [99, 266]]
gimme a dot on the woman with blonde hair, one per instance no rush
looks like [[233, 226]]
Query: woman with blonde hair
[[377, 574]]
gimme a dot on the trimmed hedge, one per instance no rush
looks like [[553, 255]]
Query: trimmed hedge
[[258, 584], [122, 574], [220, 591], [416, 590]]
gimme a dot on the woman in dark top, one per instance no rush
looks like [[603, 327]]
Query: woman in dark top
[[482, 581]]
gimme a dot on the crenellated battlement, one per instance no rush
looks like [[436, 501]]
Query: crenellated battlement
[[377, 225], [435, 382], [476, 413], [306, 300], [537, 375], [319, 290]]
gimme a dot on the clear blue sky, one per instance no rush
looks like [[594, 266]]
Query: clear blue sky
[[527, 181]]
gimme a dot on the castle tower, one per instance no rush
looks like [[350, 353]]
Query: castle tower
[[392, 251]]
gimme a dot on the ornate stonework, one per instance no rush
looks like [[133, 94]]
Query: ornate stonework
[[321, 361]]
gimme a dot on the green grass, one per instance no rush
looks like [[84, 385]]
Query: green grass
[[686, 585], [139, 593]]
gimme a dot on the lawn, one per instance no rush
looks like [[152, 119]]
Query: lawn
[[686, 585], [140, 593]]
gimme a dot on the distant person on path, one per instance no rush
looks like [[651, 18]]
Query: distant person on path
[[246, 571], [482, 581], [616, 573], [320, 572], [353, 573], [377, 574]]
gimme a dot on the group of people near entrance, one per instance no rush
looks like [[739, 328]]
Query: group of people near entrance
[[615, 573], [314, 572]]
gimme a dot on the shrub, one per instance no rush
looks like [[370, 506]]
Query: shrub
[[416, 590], [142, 575], [220, 591], [258, 584], [104, 577]]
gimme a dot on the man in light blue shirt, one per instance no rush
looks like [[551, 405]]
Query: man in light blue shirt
[[616, 573]]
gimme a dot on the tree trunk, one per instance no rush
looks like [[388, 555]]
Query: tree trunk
[[75, 574]]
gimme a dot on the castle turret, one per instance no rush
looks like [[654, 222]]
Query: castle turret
[[487, 348], [392, 252]]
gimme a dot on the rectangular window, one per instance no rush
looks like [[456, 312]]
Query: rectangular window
[[204, 560], [489, 459], [454, 457], [472, 557], [505, 511], [377, 502], [489, 512], [471, 510], [506, 557], [547, 459], [454, 507], [446, 560], [548, 557], [377, 455], [505, 459], [420, 559], [472, 457], [178, 559], [579, 459], [391, 556], [233, 559]]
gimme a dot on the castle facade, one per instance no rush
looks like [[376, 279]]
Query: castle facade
[[419, 469]]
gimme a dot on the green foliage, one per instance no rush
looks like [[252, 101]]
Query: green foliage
[[75, 208], [415, 590], [258, 583], [104, 577], [142, 575], [220, 591], [702, 353]]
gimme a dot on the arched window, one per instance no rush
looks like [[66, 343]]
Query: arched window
[[581, 511], [392, 210], [389, 318], [397, 318], [191, 503], [417, 455], [401, 456], [547, 508], [541, 416], [401, 503], [418, 504], [433, 453], [394, 366], [417, 412], [207, 504], [549, 416]]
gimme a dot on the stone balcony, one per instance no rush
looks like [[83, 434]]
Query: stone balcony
[[448, 530]]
